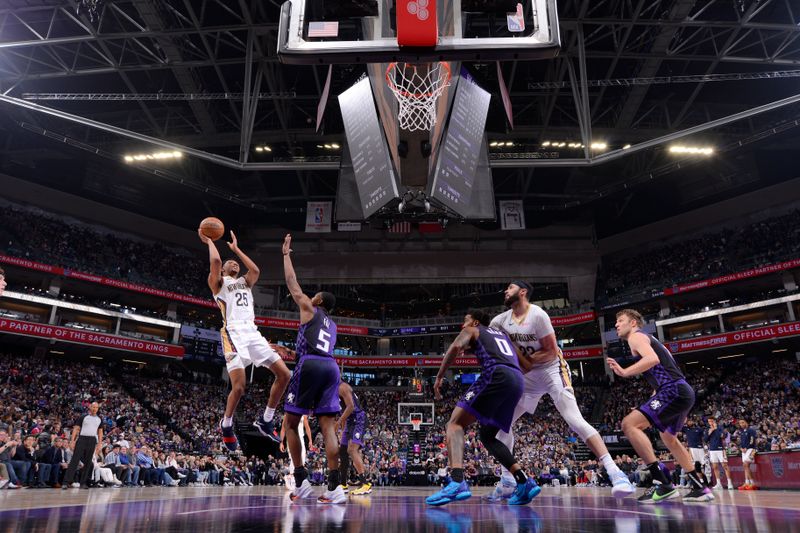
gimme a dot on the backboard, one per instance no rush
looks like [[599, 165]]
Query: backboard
[[365, 31]]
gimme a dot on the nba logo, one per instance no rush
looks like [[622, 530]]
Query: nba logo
[[516, 21], [319, 214]]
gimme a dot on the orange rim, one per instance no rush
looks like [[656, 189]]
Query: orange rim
[[419, 96]]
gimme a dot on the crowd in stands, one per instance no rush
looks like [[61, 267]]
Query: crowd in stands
[[701, 257], [40, 236], [161, 430]]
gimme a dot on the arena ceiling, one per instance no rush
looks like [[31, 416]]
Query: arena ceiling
[[635, 70]]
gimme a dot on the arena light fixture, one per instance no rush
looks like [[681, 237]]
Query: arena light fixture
[[153, 156], [781, 350], [690, 150], [263, 148], [731, 356], [599, 146]]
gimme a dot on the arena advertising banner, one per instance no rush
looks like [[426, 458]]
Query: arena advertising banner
[[102, 280], [91, 338], [434, 362], [571, 320], [747, 336], [771, 470], [285, 323], [746, 274]]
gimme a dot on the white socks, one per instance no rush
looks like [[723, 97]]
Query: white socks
[[611, 466], [269, 414], [227, 421]]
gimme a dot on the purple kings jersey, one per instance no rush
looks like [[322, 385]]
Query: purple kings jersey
[[317, 336]]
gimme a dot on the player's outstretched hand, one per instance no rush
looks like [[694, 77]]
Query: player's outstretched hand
[[287, 244], [234, 244], [437, 389], [203, 238], [614, 366]]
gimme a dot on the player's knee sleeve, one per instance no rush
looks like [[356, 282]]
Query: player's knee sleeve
[[497, 449], [572, 416]]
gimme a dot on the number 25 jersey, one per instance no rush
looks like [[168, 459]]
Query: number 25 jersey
[[235, 300]]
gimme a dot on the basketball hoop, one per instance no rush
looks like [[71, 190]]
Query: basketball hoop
[[416, 423], [417, 88]]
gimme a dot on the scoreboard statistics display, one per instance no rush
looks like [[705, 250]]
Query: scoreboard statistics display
[[453, 181], [371, 162], [202, 344]]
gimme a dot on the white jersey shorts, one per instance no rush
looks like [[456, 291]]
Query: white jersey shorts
[[748, 455], [718, 456], [698, 454], [243, 345]]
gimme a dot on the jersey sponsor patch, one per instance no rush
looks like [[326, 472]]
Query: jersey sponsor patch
[[230, 356]]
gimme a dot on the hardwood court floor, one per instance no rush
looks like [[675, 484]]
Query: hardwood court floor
[[387, 510]]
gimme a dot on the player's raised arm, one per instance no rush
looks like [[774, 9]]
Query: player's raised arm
[[303, 301], [215, 271], [251, 278]]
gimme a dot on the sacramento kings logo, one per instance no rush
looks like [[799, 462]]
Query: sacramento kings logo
[[469, 395], [655, 404], [777, 466]]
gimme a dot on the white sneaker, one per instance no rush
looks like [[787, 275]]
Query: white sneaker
[[3, 483], [730, 486], [622, 486], [333, 496], [303, 491], [718, 486], [13, 486], [76, 485], [182, 476]]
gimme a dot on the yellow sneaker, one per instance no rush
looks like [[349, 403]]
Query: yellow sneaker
[[366, 488], [345, 488]]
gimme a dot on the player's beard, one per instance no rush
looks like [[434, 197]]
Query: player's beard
[[511, 300]]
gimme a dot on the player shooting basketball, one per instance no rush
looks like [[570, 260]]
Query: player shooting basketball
[[242, 343]]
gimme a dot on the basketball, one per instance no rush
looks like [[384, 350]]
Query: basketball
[[212, 227]]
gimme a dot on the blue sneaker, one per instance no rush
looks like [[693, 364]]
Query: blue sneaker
[[503, 490], [229, 437], [523, 494], [453, 492], [267, 429]]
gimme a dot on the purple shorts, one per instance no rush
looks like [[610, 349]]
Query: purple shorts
[[668, 408], [314, 387], [354, 429], [494, 396]]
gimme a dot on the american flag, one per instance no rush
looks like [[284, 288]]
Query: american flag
[[323, 29], [400, 227]]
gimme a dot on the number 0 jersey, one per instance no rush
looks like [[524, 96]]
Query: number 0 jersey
[[493, 347], [235, 301]]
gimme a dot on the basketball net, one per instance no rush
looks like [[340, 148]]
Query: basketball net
[[417, 87], [416, 423]]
